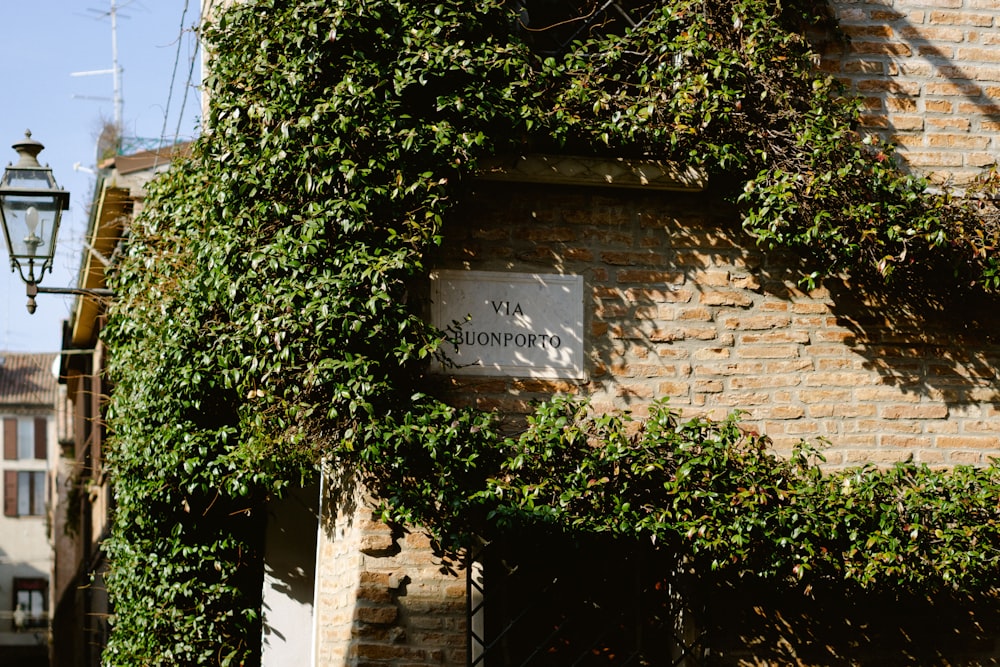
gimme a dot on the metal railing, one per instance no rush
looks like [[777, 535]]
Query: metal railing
[[535, 604], [33, 622]]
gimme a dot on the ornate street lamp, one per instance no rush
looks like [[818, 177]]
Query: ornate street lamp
[[31, 205]]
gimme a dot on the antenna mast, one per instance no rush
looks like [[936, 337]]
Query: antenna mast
[[116, 70]]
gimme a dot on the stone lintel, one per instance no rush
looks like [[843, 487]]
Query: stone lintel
[[590, 171]]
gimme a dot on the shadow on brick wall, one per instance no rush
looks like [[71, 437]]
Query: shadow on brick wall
[[926, 73], [923, 336], [925, 339]]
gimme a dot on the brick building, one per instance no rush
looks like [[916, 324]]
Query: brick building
[[678, 302]]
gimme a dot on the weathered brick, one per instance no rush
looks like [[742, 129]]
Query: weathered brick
[[767, 351], [844, 379], [939, 106], [887, 48], [547, 234], [922, 158], [539, 386], [633, 259], [968, 442], [864, 67], [929, 456], [636, 391], [937, 50], [381, 615], [980, 159], [732, 299], [729, 369], [755, 322], [974, 108], [765, 381], [877, 456], [845, 410], [901, 104], [868, 30], [960, 18], [907, 122], [605, 310], [694, 258], [703, 333], [955, 124], [778, 336], [912, 442], [969, 54], [709, 353], [789, 366], [708, 386], [746, 282], [578, 255], [957, 141], [952, 89], [981, 426], [674, 388], [783, 412], [932, 33], [649, 276], [659, 295], [885, 14]]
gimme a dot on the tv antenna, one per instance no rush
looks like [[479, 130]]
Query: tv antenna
[[116, 69]]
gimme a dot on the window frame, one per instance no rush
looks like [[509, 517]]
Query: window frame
[[18, 445], [35, 482], [35, 618]]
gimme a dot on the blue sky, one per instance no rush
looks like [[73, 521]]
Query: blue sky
[[42, 43]]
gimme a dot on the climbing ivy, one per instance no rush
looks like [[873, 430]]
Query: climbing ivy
[[264, 320], [716, 493]]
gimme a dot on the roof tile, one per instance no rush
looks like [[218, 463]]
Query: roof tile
[[27, 379]]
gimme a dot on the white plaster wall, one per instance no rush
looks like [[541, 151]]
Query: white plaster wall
[[289, 575]]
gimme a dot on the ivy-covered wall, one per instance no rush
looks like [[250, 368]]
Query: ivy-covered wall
[[266, 318]]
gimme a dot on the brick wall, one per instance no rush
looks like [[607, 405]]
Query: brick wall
[[385, 598], [929, 74], [680, 304], [337, 565]]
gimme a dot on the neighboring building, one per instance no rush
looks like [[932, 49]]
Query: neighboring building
[[28, 394], [80, 620]]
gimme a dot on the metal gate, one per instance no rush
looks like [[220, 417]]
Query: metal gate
[[541, 600]]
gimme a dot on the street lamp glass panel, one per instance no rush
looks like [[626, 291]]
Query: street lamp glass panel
[[31, 224], [29, 179]]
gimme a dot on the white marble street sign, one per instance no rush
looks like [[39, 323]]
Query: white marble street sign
[[512, 324]]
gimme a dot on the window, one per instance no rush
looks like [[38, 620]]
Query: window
[[25, 438], [29, 603], [24, 492]]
